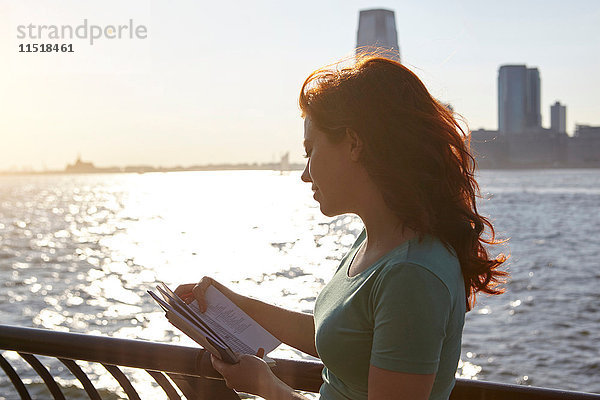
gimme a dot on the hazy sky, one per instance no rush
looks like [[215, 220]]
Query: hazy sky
[[219, 81]]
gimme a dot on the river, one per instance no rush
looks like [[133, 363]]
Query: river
[[78, 252]]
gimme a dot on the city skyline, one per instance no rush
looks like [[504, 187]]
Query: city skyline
[[218, 87]]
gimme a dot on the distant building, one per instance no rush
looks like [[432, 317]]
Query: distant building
[[84, 167], [583, 149], [542, 149], [285, 162], [80, 166], [587, 132], [537, 149], [533, 114], [519, 95], [489, 148], [558, 118], [377, 29]]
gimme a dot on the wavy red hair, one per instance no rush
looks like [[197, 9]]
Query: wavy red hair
[[416, 153]]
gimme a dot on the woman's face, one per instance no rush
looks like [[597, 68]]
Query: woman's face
[[329, 169]]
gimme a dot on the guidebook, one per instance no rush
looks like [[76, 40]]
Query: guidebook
[[224, 329]]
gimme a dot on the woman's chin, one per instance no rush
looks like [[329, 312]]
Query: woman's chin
[[324, 210], [328, 212], [327, 215]]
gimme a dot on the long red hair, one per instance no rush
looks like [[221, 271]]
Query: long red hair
[[416, 153]]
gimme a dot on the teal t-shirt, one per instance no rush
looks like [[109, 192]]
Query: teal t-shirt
[[404, 313]]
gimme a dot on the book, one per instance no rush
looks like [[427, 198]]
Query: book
[[223, 329]]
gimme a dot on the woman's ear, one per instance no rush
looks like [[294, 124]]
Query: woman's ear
[[356, 144]]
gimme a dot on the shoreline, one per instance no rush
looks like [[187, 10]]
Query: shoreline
[[291, 168]]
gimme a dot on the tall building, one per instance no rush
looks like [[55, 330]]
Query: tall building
[[558, 118], [519, 91], [377, 29], [533, 116]]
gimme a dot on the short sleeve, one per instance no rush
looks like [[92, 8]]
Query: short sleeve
[[411, 309]]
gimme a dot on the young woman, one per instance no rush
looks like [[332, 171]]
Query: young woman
[[389, 323]]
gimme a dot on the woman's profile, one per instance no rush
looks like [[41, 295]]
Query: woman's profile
[[389, 322]]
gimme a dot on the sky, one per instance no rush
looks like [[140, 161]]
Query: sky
[[218, 82]]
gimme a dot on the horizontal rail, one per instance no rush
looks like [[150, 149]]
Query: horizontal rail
[[482, 390], [195, 362], [181, 360], [102, 349]]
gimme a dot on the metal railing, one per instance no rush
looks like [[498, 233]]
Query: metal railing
[[190, 368]]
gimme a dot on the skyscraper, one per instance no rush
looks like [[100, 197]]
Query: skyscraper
[[377, 29], [558, 118], [519, 90], [533, 116]]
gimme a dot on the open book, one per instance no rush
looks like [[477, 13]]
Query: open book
[[224, 329]]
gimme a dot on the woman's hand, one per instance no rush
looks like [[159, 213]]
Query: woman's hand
[[191, 291], [250, 375]]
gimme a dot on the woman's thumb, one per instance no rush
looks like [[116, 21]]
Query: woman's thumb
[[260, 353]]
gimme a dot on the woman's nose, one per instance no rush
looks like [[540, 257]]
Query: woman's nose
[[305, 175]]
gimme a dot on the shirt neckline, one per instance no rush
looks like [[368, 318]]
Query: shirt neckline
[[400, 247]]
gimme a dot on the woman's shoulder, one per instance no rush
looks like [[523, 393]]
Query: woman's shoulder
[[432, 253], [428, 258]]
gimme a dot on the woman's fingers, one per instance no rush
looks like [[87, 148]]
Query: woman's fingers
[[184, 288], [221, 367], [250, 374], [199, 291], [218, 364], [185, 292], [190, 291], [260, 353]]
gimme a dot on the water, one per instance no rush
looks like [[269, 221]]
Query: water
[[78, 252]]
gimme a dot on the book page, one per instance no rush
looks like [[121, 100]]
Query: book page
[[178, 306], [186, 320], [234, 325]]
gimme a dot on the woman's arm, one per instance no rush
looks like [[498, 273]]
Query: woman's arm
[[292, 328], [385, 384], [252, 375]]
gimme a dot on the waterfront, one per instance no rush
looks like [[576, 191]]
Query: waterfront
[[78, 252]]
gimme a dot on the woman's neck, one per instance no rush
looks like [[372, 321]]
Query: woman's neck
[[384, 229]]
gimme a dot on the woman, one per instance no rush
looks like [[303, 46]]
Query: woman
[[389, 323]]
